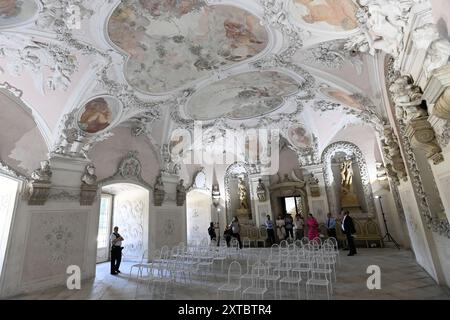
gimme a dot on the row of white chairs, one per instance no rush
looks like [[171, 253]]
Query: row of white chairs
[[183, 262]]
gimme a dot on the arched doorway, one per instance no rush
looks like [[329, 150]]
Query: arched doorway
[[125, 205]]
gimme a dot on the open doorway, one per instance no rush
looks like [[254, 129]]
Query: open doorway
[[126, 206], [293, 205]]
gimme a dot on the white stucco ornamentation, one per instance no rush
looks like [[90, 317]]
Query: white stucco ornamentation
[[382, 24], [350, 150], [411, 112], [394, 161], [49, 64]]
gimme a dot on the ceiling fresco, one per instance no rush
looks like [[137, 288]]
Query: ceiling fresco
[[13, 12], [174, 43], [300, 137], [242, 96], [326, 15], [342, 97], [98, 114]]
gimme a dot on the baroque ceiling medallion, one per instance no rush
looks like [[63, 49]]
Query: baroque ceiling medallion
[[325, 15], [98, 114], [174, 43], [242, 96]]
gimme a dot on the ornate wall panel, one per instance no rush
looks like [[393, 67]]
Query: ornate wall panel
[[56, 239]]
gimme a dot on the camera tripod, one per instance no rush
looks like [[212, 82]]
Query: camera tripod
[[387, 236]]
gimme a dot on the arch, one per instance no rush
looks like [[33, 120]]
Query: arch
[[233, 171], [24, 140], [349, 149], [131, 213]]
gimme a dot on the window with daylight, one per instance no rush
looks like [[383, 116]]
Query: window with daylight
[[8, 193], [104, 228], [293, 205]]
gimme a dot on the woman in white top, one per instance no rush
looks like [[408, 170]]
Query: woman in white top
[[299, 224], [281, 231]]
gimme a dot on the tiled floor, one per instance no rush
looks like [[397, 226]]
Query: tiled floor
[[401, 278]]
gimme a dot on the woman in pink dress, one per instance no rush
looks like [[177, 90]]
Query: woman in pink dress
[[313, 227]]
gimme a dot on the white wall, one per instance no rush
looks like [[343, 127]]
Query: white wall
[[198, 206], [131, 215], [46, 239], [417, 232]]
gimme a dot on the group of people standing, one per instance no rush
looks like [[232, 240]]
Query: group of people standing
[[286, 227], [232, 230]]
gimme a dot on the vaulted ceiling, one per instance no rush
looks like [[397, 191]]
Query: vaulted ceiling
[[85, 67]]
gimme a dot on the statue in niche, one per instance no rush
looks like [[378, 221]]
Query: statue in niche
[[43, 174], [347, 174], [348, 196], [158, 191], [89, 176], [88, 186], [313, 183], [181, 193], [242, 190], [261, 191]]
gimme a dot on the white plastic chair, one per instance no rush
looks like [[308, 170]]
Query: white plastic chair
[[259, 284], [291, 278], [318, 279], [234, 280], [163, 279], [273, 276], [141, 265]]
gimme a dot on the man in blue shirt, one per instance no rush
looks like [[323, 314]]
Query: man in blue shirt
[[331, 226], [270, 231]]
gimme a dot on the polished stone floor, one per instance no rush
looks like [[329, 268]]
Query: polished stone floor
[[401, 278]]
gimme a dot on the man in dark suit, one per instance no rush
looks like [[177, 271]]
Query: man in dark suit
[[348, 228]]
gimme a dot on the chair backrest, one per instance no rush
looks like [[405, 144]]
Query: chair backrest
[[358, 227], [144, 256], [298, 243], [259, 272], [234, 243], [155, 255], [204, 242], [333, 241], [283, 244], [234, 273], [305, 240], [262, 233], [252, 259], [372, 229], [254, 233]]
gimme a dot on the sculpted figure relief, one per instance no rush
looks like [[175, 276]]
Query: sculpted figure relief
[[242, 190], [395, 166], [382, 24], [43, 174], [89, 176], [347, 174], [261, 190], [407, 98], [181, 193]]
